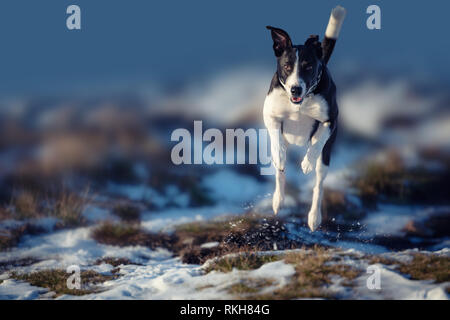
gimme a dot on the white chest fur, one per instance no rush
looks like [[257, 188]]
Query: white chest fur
[[298, 120]]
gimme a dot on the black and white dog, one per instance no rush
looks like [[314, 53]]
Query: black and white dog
[[300, 108]]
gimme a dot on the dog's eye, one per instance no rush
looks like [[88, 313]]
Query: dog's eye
[[309, 68]]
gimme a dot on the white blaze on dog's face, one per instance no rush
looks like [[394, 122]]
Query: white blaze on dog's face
[[297, 66]]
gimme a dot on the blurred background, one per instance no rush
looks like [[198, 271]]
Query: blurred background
[[86, 117]]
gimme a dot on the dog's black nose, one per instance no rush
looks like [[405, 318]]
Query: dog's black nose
[[296, 91]]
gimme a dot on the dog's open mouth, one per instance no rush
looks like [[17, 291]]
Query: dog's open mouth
[[296, 99]]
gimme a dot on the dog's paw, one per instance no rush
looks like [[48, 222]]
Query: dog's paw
[[308, 164], [314, 219], [277, 201]]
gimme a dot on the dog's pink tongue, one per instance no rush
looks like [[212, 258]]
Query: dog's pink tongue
[[296, 99]]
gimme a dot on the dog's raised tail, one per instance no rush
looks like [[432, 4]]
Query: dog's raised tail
[[332, 33]]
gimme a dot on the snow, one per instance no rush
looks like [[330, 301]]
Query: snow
[[171, 279], [232, 187], [365, 108], [18, 290], [391, 219], [75, 246], [209, 245], [396, 286], [158, 275], [166, 220], [138, 193], [208, 98]]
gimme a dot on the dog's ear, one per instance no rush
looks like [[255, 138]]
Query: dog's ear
[[313, 41], [281, 40]]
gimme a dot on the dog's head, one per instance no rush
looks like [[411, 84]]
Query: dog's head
[[298, 66]]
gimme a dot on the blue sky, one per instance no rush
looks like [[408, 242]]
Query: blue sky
[[174, 41]]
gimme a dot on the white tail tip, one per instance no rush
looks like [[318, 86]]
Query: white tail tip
[[339, 13], [334, 25]]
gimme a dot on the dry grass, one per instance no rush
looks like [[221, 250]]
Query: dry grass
[[246, 261], [69, 206], [248, 287], [314, 270], [5, 214], [10, 238], [335, 203], [422, 266], [129, 235], [127, 213], [390, 179], [427, 267], [65, 205], [26, 205], [56, 281], [380, 260], [115, 262]]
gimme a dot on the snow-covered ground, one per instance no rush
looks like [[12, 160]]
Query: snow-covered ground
[[157, 274]]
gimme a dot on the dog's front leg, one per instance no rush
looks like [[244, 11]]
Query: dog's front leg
[[317, 143], [278, 151], [278, 195], [314, 156], [315, 213]]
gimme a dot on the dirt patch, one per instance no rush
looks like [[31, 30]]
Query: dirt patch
[[247, 233]]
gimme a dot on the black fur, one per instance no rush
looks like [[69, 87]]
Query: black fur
[[327, 89], [313, 58], [327, 48]]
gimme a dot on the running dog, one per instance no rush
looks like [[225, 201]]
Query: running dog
[[300, 108]]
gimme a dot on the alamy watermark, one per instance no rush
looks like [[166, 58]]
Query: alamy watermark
[[213, 146], [74, 280], [373, 282]]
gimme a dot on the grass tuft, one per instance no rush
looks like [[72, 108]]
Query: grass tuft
[[427, 267], [314, 270], [69, 207], [246, 261], [249, 286], [127, 213], [26, 205], [129, 235], [392, 180], [56, 281], [10, 238], [115, 262]]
